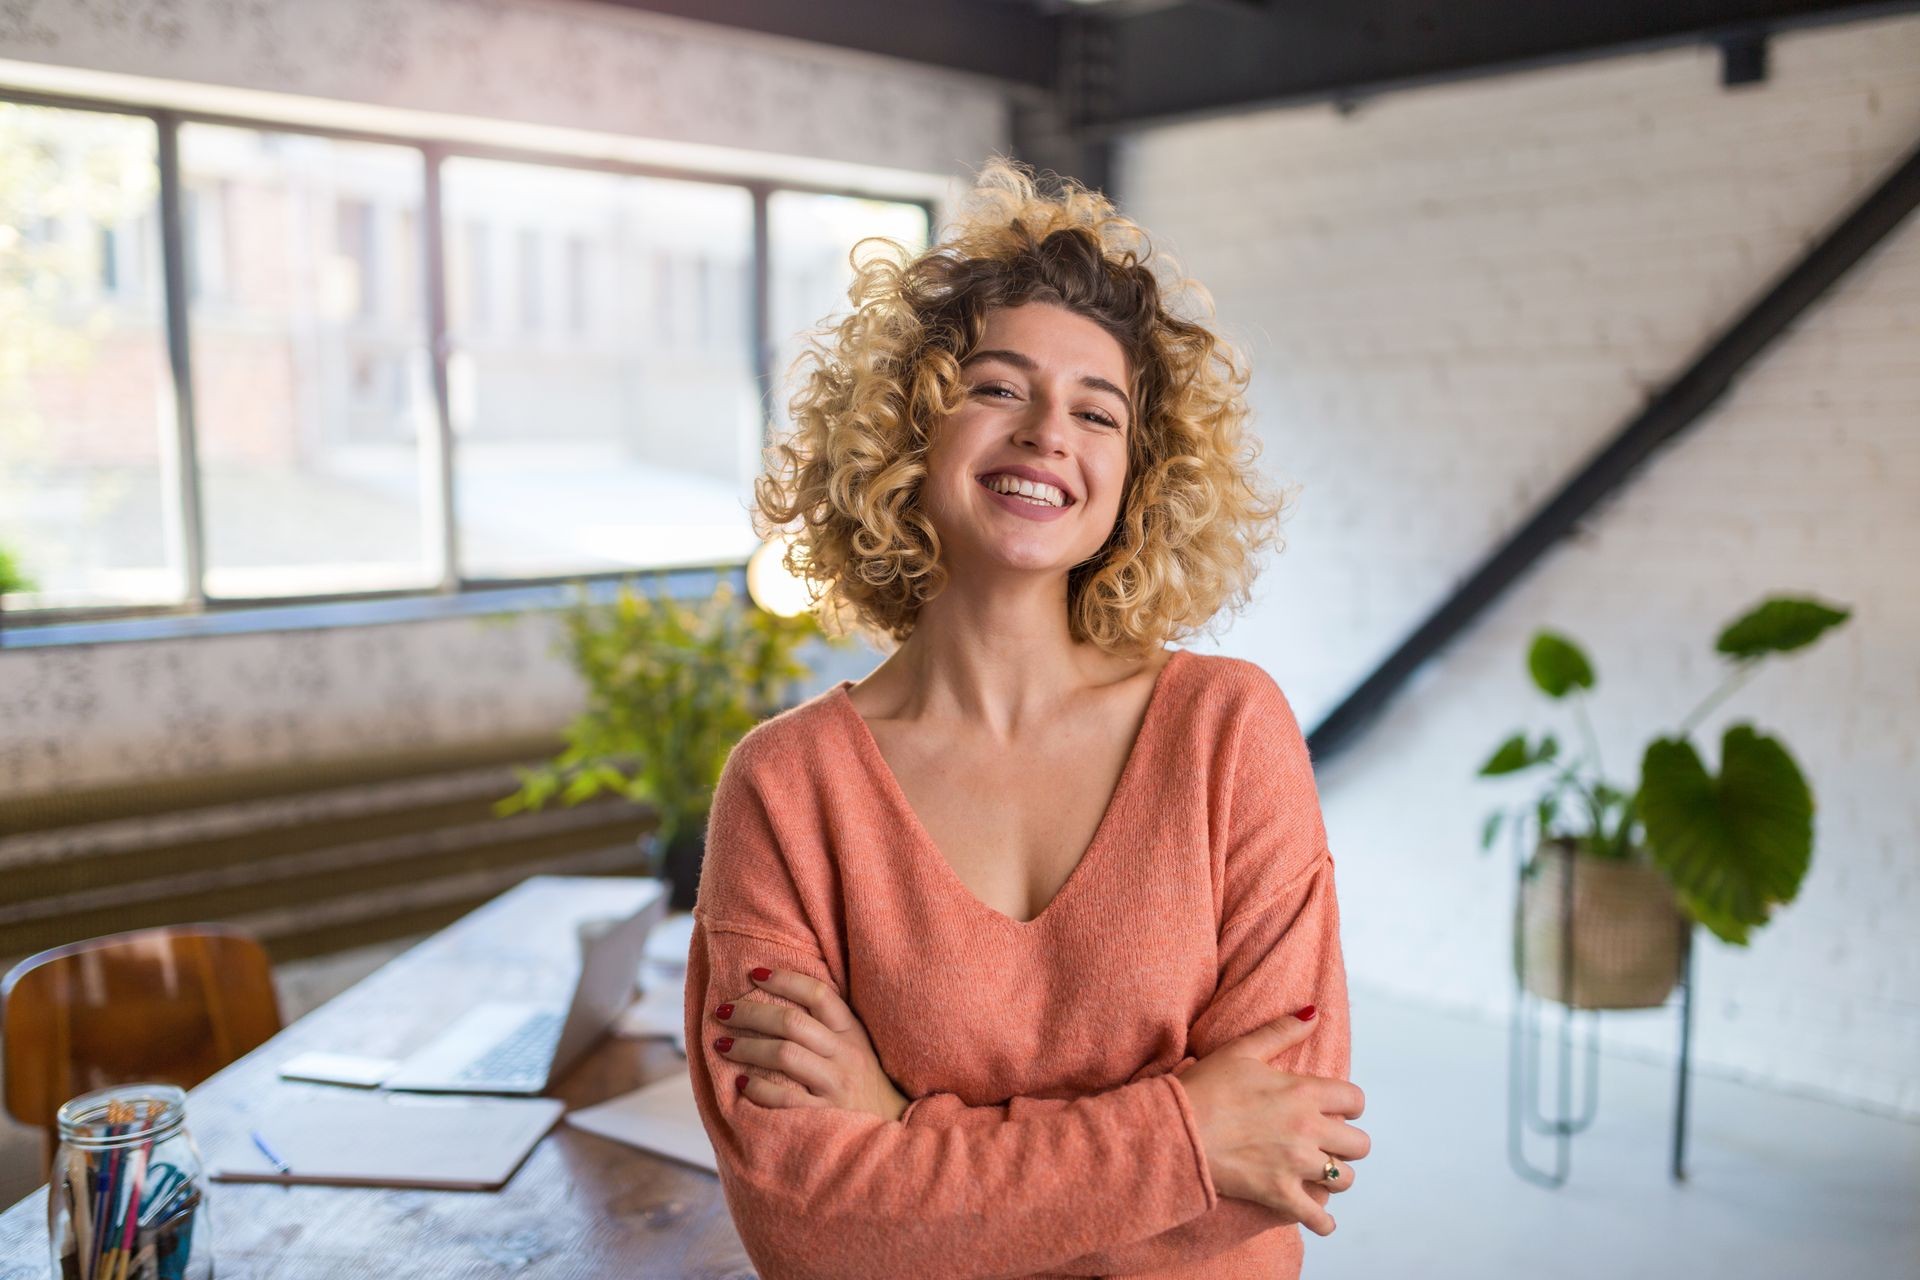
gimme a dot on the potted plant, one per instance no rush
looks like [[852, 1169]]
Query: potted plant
[[670, 689], [1683, 846], [12, 578]]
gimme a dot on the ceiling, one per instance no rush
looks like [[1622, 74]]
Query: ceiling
[[1110, 66]]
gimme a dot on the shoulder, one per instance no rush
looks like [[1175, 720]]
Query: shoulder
[[790, 741], [1240, 718], [1239, 694]]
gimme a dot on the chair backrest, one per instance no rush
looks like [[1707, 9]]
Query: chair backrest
[[172, 1005]]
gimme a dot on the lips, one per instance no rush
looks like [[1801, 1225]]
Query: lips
[[1027, 473], [1021, 508]]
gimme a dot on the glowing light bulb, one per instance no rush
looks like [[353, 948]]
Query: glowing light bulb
[[771, 586]]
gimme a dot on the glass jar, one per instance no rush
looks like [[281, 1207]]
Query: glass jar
[[127, 1197]]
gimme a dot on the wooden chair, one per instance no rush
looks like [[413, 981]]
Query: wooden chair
[[172, 1005]]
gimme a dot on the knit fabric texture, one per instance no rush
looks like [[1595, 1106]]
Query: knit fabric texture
[[1049, 1133]]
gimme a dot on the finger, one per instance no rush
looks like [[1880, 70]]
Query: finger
[[1341, 1183], [804, 989], [1345, 1141], [1306, 1207], [800, 1065], [1347, 1099], [769, 1019], [774, 1093], [1272, 1037]]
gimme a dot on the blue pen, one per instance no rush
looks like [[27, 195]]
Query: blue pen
[[268, 1152]]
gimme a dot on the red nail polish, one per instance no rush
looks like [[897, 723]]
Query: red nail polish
[[724, 1012], [761, 975], [724, 1043], [1306, 1014], [741, 1084]]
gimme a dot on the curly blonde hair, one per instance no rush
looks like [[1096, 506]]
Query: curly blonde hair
[[845, 482]]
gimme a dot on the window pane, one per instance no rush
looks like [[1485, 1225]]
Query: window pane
[[88, 498], [601, 372], [313, 392], [810, 238]]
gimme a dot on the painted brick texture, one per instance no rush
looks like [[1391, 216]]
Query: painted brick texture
[[1452, 297]]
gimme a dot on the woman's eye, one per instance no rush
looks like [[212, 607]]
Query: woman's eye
[[1095, 414]]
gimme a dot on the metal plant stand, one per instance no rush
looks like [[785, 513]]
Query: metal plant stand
[[1523, 1073]]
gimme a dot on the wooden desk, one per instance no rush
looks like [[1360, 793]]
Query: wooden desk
[[580, 1205]]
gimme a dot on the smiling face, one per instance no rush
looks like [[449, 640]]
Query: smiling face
[[1045, 392]]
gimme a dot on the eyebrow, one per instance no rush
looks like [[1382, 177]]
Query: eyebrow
[[1027, 363]]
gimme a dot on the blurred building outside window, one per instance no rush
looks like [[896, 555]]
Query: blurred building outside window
[[614, 422]]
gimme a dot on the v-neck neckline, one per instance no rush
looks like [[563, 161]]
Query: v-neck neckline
[[870, 747]]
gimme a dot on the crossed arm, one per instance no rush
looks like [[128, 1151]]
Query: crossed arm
[[1111, 1182]]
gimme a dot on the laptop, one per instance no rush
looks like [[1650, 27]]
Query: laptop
[[519, 1048]]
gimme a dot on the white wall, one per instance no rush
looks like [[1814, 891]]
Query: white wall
[[1452, 297]]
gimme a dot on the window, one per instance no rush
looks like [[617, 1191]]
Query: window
[[311, 399], [628, 444], [530, 280], [602, 383], [109, 261], [88, 509], [353, 256], [204, 230], [409, 282], [579, 284], [810, 237], [482, 268]]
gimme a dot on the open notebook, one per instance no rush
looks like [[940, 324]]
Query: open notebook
[[458, 1144]]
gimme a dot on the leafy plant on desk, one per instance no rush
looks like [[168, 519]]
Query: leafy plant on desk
[[1734, 846], [671, 688], [12, 577]]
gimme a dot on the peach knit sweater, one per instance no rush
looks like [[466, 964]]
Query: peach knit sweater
[[1049, 1134]]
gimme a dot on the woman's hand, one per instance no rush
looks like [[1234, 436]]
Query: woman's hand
[[1268, 1133], [821, 1048]]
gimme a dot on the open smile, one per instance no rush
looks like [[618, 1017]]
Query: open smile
[[1025, 507]]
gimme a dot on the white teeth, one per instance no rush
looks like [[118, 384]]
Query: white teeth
[[1044, 495]]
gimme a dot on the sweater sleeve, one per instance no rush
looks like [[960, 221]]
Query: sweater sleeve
[[827, 1192], [1279, 948]]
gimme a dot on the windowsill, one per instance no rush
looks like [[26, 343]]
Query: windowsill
[[692, 583]]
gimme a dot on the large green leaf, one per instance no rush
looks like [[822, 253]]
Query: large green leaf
[[1558, 665], [1507, 757], [1734, 846], [1778, 625]]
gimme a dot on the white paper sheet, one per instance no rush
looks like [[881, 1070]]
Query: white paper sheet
[[669, 941], [660, 1117], [660, 1010]]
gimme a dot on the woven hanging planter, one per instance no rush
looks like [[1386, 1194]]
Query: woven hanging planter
[[1626, 926]]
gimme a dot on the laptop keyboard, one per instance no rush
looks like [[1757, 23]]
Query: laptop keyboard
[[525, 1053]]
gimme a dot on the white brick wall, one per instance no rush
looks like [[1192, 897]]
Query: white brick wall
[[1451, 298]]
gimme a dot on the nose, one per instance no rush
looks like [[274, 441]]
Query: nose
[[1046, 424]]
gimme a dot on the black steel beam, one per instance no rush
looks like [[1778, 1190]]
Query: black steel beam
[[1680, 406], [1189, 59], [998, 38], [1200, 60]]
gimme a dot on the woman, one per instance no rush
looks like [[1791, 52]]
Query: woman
[[1021, 957]]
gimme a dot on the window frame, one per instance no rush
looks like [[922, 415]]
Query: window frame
[[456, 593]]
